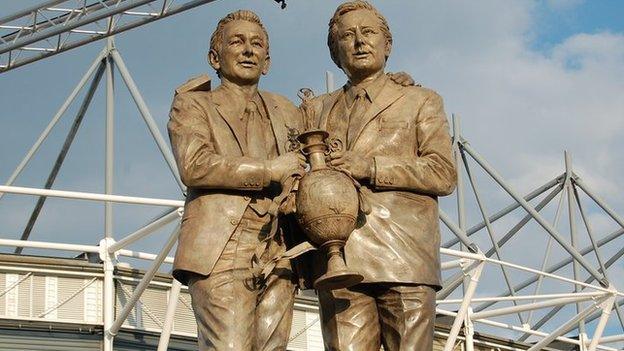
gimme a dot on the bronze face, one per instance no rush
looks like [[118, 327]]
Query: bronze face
[[243, 56], [362, 46]]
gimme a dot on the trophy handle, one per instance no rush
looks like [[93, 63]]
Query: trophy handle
[[334, 145]]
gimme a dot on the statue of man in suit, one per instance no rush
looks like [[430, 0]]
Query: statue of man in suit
[[397, 144], [229, 145]]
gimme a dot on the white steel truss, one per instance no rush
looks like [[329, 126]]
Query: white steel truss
[[60, 25]]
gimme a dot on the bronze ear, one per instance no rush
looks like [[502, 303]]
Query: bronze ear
[[213, 59], [267, 65]]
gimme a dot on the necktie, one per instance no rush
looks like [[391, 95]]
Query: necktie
[[255, 132], [356, 116]]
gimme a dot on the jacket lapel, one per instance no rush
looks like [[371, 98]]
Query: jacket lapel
[[231, 118], [389, 93], [278, 123]]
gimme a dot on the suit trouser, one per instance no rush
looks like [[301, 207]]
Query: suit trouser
[[401, 317], [234, 311]]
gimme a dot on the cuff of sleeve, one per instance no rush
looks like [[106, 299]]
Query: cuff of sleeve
[[255, 177], [383, 177]]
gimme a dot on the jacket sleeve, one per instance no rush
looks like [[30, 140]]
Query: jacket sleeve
[[199, 164], [431, 170]]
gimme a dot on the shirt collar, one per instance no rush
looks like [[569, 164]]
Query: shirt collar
[[236, 99], [371, 88]]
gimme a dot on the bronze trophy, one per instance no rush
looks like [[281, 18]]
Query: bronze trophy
[[327, 208]]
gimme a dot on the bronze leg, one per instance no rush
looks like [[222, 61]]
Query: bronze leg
[[349, 320], [407, 317], [224, 310], [274, 313], [233, 311], [224, 302]]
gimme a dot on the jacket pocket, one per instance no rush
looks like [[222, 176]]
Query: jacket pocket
[[385, 125]]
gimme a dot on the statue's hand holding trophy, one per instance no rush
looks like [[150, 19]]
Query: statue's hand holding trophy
[[327, 203]]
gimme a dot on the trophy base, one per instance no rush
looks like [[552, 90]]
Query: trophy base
[[337, 280]]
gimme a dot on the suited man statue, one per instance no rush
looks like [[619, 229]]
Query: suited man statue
[[397, 145], [229, 146]]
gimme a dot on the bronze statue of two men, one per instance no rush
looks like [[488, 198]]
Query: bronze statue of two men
[[234, 150]]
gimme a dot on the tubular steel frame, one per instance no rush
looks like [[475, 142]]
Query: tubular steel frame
[[590, 301], [55, 26]]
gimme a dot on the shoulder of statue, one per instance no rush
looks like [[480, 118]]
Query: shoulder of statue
[[198, 83], [277, 99], [326, 98], [192, 95], [417, 91]]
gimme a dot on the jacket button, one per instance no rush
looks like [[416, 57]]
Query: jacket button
[[233, 222]]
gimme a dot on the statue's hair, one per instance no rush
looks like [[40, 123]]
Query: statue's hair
[[216, 40], [332, 40]]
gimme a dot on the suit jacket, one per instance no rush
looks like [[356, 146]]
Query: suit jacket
[[210, 149], [406, 132]]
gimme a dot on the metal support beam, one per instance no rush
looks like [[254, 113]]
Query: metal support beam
[[606, 307], [573, 237], [108, 293], [461, 211], [174, 293], [619, 302], [91, 196], [490, 230], [474, 273], [55, 30], [555, 310], [329, 82], [48, 245], [147, 117], [563, 329], [146, 230], [28, 10], [109, 141], [458, 232], [61, 157], [453, 282], [70, 31], [469, 330], [147, 278], [590, 233], [508, 209], [552, 231], [599, 201], [540, 279], [96, 63], [564, 262], [531, 306]]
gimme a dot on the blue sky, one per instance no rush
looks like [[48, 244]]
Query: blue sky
[[559, 21], [529, 79]]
